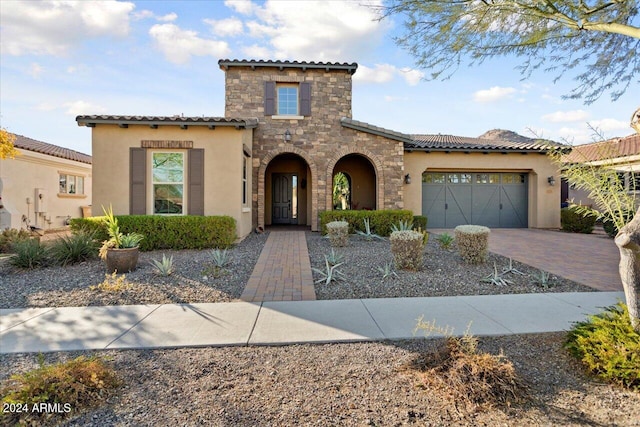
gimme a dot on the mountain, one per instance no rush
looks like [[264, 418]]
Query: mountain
[[505, 135]]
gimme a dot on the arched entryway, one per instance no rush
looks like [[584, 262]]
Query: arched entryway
[[354, 183], [287, 191]]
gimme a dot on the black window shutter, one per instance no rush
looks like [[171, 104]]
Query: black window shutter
[[269, 98], [137, 181], [305, 99], [196, 182]]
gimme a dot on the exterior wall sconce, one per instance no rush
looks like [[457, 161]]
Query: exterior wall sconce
[[287, 135], [551, 180], [407, 179]]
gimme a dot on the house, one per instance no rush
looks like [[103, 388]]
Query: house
[[287, 132], [623, 154], [43, 186]]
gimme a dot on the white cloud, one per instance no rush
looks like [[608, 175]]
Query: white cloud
[[389, 98], [145, 14], [178, 45], [611, 125], [225, 27], [256, 51], [314, 30], [35, 70], [77, 108], [493, 94], [412, 77], [244, 7], [382, 73], [566, 116], [54, 27]]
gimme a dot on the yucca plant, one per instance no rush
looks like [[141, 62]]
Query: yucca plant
[[73, 248], [220, 258], [29, 254], [164, 267], [367, 234]]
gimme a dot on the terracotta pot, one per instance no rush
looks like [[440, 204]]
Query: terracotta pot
[[122, 260]]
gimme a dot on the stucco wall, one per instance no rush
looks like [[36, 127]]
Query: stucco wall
[[223, 148], [21, 176], [544, 200]]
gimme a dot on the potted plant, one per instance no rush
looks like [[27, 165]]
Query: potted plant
[[120, 251]]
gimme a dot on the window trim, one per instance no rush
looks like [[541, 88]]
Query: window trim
[[245, 180], [75, 176], [153, 183], [295, 86]]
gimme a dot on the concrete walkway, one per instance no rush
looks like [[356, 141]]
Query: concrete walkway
[[283, 270], [287, 322], [590, 259]]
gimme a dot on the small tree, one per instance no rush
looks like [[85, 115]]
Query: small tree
[[607, 189], [7, 149]]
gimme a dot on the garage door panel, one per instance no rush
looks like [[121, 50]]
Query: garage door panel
[[514, 207], [433, 204], [458, 205], [486, 205]]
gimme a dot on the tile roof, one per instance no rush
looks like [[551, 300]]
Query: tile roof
[[166, 120], [449, 142], [375, 130], [610, 149], [226, 63], [29, 144], [461, 143]]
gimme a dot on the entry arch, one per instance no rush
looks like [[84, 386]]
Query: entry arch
[[342, 157]]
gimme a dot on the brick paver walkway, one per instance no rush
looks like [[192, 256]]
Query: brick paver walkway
[[283, 270], [590, 259]]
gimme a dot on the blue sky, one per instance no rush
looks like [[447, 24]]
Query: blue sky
[[65, 58]]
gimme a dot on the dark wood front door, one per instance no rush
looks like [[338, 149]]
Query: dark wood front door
[[281, 199]]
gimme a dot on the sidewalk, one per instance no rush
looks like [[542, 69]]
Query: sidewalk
[[287, 322]]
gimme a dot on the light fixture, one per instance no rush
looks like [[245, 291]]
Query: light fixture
[[287, 135], [407, 179], [551, 180]]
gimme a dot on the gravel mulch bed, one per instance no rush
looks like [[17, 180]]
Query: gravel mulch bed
[[443, 273], [338, 384], [194, 280]]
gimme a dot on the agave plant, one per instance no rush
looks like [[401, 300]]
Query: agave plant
[[402, 226], [496, 278], [330, 273], [163, 267], [117, 240], [387, 270], [367, 234], [220, 258]]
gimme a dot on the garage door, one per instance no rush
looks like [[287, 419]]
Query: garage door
[[497, 200]]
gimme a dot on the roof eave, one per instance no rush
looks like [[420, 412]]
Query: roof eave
[[226, 64], [244, 124], [377, 132]]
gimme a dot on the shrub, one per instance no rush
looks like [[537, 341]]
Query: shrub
[[338, 232], [574, 221], [608, 346], [29, 253], [610, 226], [74, 248], [78, 383], [420, 221], [168, 232], [406, 247], [112, 283], [445, 240], [380, 221], [472, 242], [470, 378], [10, 236]]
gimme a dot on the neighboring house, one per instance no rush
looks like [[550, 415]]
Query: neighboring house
[[44, 186], [623, 154], [287, 131]]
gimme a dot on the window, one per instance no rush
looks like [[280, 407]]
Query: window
[[168, 183], [245, 185], [488, 178], [287, 100], [433, 178], [71, 184]]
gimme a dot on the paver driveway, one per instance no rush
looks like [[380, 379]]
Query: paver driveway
[[590, 259]]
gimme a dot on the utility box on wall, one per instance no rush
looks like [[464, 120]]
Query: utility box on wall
[[40, 199]]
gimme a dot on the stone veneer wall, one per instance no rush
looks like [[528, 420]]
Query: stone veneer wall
[[319, 139]]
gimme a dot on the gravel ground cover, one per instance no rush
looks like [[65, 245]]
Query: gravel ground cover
[[338, 385], [443, 273], [194, 280]]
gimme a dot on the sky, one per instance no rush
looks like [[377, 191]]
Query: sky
[[60, 59]]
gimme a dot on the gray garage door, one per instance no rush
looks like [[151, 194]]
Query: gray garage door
[[497, 200]]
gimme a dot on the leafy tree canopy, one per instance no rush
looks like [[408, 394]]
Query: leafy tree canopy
[[600, 39], [7, 150]]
